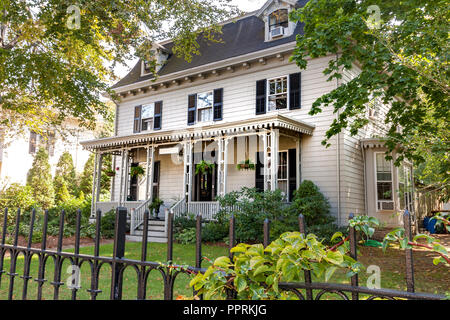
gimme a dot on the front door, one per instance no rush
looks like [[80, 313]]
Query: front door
[[205, 182], [134, 184], [205, 185]]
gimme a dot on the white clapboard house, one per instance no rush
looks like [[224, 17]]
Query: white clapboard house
[[242, 101]]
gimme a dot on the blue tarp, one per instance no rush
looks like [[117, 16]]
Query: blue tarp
[[430, 225]]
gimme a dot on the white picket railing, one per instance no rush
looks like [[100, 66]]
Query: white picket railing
[[137, 216]]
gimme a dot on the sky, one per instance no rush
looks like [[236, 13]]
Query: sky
[[244, 5]]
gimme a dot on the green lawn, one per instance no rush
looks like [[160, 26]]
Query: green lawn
[[428, 278], [182, 255]]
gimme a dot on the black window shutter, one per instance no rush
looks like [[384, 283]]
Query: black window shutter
[[137, 119], [158, 115], [192, 109], [261, 96], [259, 172], [295, 84], [218, 104], [292, 172]]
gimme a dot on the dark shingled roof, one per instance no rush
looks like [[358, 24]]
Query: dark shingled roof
[[238, 38]]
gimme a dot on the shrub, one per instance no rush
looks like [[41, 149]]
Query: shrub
[[187, 236], [309, 201], [214, 232], [15, 197], [251, 208], [107, 224], [39, 178], [184, 221]]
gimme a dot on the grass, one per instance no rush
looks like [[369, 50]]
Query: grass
[[182, 254], [428, 278]]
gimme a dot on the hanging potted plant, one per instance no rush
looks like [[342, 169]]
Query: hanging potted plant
[[246, 165], [110, 172], [204, 166], [137, 171], [155, 206]]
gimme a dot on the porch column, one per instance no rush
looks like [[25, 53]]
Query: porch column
[[99, 177], [187, 177], [124, 178], [94, 186], [274, 146], [299, 162], [266, 151], [222, 171], [149, 171]]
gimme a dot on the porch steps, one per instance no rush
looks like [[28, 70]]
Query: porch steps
[[156, 232]]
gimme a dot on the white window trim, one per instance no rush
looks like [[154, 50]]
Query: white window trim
[[288, 93], [376, 183], [143, 73]]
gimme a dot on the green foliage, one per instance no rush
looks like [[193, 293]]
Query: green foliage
[[398, 236], [155, 205], [215, 232], [62, 192], [187, 236], [309, 201], [255, 271], [107, 226], [204, 166], [403, 59], [65, 176], [245, 165], [250, 208], [137, 171], [86, 178], [15, 197], [53, 68], [183, 221], [39, 179]]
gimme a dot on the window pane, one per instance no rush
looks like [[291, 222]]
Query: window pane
[[384, 190], [204, 100], [148, 111], [279, 18], [205, 115]]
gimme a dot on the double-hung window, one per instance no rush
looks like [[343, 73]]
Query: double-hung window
[[205, 102], [283, 182], [278, 93], [148, 114], [385, 197]]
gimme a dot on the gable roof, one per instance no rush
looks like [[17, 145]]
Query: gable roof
[[246, 35]]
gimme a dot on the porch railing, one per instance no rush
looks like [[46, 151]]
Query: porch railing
[[137, 215]]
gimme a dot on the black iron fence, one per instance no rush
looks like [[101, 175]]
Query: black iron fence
[[119, 263]]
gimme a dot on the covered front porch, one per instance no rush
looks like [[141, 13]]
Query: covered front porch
[[189, 169]]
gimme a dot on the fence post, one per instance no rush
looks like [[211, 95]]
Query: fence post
[[198, 242], [409, 253], [353, 254], [169, 235], [232, 235], [307, 273], [119, 253], [266, 232], [3, 241], [231, 294]]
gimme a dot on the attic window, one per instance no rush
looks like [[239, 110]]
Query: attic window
[[146, 67], [277, 19]]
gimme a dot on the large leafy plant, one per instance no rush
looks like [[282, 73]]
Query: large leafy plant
[[255, 272]]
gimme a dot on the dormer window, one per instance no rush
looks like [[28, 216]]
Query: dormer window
[[278, 23], [279, 18]]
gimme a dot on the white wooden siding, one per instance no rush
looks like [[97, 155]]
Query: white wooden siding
[[319, 164]]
